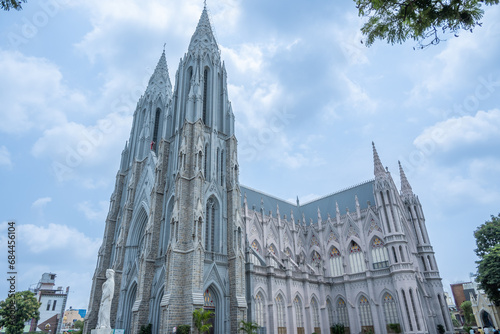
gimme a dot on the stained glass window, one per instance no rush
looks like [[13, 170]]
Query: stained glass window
[[379, 254], [365, 313], [314, 241], [253, 258], [329, 307], [336, 268], [259, 310], [298, 312], [390, 310], [316, 258], [209, 300], [315, 313], [343, 316], [280, 308], [356, 259]]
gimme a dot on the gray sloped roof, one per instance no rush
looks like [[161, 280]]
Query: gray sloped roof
[[326, 204]]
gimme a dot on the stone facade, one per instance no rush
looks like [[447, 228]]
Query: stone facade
[[182, 233]]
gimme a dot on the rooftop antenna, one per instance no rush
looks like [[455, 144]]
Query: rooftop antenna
[[164, 44]]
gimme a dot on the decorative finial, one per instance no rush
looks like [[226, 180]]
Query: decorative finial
[[205, 4], [164, 44]]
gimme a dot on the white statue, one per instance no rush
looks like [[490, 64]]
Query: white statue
[[108, 289]]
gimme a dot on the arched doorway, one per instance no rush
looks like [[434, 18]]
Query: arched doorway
[[210, 304], [127, 311], [486, 319], [156, 312]]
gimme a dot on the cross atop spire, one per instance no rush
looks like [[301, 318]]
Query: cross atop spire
[[377, 164], [405, 185]]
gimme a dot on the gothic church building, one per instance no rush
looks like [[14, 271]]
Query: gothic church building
[[182, 233]]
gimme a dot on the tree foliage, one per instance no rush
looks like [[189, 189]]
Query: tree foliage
[[487, 236], [466, 306], [488, 274], [16, 310], [11, 4], [201, 319], [249, 327], [488, 250], [419, 20]]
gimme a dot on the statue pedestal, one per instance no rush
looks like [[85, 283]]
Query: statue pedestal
[[102, 331]]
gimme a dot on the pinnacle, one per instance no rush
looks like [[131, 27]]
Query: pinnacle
[[405, 185], [160, 75], [377, 164], [203, 36]]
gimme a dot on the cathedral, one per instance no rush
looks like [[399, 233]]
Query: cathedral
[[182, 233]]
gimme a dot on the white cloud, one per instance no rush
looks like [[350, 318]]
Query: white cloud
[[37, 98], [93, 214], [41, 202], [482, 128], [74, 148], [5, 159], [56, 238]]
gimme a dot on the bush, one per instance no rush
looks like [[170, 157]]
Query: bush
[[184, 329], [440, 329], [337, 329], [146, 329]]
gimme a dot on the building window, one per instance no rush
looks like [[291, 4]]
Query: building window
[[205, 95], [390, 310], [430, 262], [407, 310], [315, 315], [155, 131], [280, 310], [211, 215], [298, 315], [402, 254], [253, 258], [336, 268], [222, 168], [356, 259], [342, 314], [414, 309], [54, 305], [205, 163], [379, 254], [259, 310], [316, 260], [329, 307], [48, 305], [365, 313]]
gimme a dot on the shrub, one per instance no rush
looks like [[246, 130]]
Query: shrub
[[184, 329]]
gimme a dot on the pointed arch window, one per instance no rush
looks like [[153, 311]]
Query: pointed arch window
[[205, 95], [315, 315], [259, 310], [336, 267], [390, 310], [379, 254], [329, 307], [222, 168], [356, 258], [365, 314], [316, 259], [299, 317], [212, 213], [407, 310], [209, 301], [205, 163], [401, 254], [253, 258], [154, 144], [430, 262], [443, 311], [342, 314], [272, 260], [280, 310], [414, 310]]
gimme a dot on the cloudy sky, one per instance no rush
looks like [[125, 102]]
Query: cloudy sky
[[309, 99]]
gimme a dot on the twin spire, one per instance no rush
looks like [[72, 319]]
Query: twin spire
[[380, 172]]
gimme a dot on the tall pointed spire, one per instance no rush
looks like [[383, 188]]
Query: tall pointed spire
[[160, 77], [379, 170], [203, 39], [405, 185]]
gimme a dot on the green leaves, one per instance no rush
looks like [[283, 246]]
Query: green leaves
[[201, 318], [488, 250], [420, 20], [11, 4], [249, 327], [16, 310]]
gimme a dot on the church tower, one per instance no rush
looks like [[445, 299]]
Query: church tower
[[173, 234]]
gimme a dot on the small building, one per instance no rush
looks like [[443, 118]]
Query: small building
[[53, 303], [72, 315], [485, 311]]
